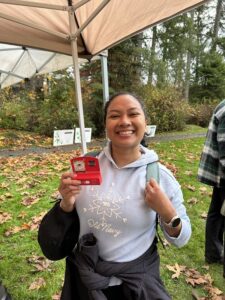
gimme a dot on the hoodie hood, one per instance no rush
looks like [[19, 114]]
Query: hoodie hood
[[148, 156]]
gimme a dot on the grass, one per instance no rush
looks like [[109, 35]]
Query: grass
[[188, 129], [183, 156], [22, 268]]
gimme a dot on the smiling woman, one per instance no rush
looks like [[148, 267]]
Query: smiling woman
[[125, 125], [114, 224]]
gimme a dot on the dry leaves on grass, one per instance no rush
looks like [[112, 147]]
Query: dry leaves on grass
[[15, 139], [204, 215], [55, 195], [176, 269], [37, 284], [203, 190], [28, 201], [170, 166], [195, 278], [56, 296], [190, 157], [191, 187], [4, 185], [6, 196], [40, 263], [192, 201], [4, 217], [32, 225]]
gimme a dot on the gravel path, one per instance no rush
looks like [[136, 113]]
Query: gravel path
[[101, 143]]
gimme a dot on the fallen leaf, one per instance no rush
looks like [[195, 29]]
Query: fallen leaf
[[29, 201], [56, 297], [204, 215], [176, 269], [191, 188], [37, 284], [192, 200], [39, 262], [17, 229], [4, 217]]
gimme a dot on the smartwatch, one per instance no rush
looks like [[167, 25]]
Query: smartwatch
[[174, 222]]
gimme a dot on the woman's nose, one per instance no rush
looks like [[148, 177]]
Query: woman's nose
[[124, 120]]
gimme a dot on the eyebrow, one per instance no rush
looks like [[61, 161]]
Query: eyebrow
[[130, 109]]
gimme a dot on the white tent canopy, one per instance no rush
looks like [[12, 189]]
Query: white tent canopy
[[18, 63], [82, 27]]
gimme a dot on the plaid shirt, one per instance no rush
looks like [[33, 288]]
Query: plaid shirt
[[212, 163]]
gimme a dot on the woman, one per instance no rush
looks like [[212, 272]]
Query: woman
[[114, 224]]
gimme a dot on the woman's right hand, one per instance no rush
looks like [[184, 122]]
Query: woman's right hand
[[69, 188]]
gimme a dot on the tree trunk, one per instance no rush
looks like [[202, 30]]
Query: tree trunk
[[216, 24], [152, 56]]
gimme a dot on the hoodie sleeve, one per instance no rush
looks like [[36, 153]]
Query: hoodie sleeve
[[173, 190]]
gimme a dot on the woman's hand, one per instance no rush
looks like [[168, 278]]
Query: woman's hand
[[159, 202], [69, 188]]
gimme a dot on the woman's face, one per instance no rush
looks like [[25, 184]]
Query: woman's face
[[125, 121]]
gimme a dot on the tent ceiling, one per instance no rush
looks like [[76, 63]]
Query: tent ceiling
[[18, 63], [115, 22]]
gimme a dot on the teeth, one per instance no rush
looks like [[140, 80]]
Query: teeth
[[125, 133]]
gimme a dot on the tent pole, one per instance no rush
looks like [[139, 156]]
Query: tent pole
[[77, 83], [105, 76]]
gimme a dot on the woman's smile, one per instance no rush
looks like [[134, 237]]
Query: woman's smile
[[125, 132]]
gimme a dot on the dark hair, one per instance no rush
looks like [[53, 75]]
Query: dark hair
[[121, 94]]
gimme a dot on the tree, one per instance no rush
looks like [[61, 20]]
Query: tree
[[126, 64], [211, 84]]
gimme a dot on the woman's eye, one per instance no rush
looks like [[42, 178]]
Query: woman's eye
[[113, 116], [134, 114]]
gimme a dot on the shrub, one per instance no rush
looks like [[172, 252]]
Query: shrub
[[57, 111], [13, 116], [165, 108], [200, 114]]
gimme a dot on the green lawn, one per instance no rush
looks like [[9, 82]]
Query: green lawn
[[27, 187]]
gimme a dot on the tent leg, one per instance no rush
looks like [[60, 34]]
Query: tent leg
[[105, 80], [78, 85]]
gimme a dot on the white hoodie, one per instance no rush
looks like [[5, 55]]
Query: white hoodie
[[116, 211]]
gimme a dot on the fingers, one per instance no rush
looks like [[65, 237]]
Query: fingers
[[69, 179], [69, 185], [152, 186], [153, 183]]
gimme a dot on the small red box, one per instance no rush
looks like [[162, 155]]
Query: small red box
[[87, 170]]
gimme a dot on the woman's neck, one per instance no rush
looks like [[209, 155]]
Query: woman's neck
[[123, 157]]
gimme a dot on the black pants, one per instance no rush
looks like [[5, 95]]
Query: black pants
[[214, 239]]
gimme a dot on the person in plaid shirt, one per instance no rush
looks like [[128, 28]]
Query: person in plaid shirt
[[212, 172]]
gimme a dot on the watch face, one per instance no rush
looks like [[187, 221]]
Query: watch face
[[176, 222]]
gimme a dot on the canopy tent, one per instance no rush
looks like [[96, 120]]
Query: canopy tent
[[82, 27], [19, 63]]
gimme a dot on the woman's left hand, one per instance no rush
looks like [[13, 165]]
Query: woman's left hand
[[158, 201]]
